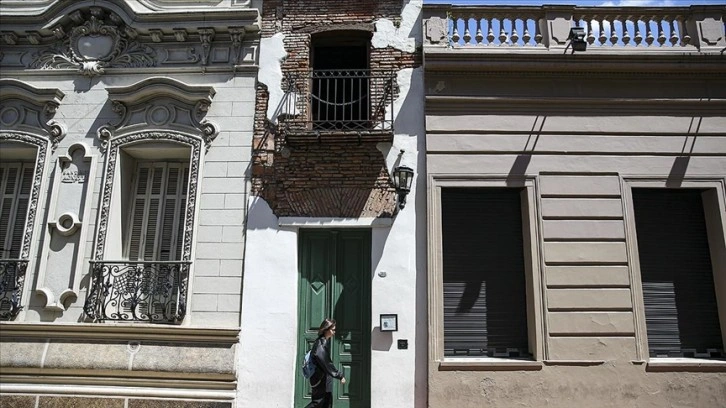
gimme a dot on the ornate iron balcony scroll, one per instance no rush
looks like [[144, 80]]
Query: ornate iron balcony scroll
[[136, 291], [12, 276], [333, 104]]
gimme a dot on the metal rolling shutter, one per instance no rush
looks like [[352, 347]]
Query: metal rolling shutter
[[483, 277], [675, 265]]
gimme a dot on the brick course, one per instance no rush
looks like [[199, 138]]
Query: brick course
[[328, 178]]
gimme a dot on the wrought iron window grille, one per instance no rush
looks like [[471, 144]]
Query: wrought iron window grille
[[321, 103], [138, 291], [12, 277]]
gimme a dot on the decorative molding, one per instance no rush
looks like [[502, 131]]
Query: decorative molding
[[206, 35], [114, 144], [42, 145], [160, 102], [28, 109], [73, 186], [237, 34], [96, 42]]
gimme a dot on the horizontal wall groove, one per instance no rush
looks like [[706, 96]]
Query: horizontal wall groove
[[594, 334], [581, 218], [588, 286], [585, 263], [589, 309], [497, 132], [569, 153], [594, 240], [580, 196]]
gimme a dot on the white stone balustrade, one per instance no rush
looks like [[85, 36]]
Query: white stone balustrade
[[695, 28]]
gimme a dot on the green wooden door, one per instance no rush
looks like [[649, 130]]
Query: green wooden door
[[335, 277]]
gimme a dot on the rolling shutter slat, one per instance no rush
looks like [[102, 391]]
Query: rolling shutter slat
[[484, 288], [677, 277]]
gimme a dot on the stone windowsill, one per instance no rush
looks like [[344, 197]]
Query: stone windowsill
[[685, 364], [489, 364]]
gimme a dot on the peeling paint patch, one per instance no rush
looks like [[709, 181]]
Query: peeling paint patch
[[406, 36], [272, 54]]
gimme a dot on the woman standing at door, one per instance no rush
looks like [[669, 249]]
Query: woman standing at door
[[322, 380]]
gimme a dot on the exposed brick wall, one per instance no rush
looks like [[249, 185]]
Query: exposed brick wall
[[326, 179]]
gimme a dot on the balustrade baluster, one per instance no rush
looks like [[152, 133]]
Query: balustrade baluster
[[661, 34], [537, 32], [490, 33], [514, 37], [502, 33], [674, 35], [638, 37], [649, 25], [526, 37], [613, 34], [685, 38], [590, 35], [479, 36], [603, 38], [626, 32], [455, 33], [467, 34]]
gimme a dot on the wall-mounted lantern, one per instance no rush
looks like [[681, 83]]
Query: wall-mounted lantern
[[577, 38], [402, 179]]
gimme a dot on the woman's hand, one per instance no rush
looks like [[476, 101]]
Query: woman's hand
[[342, 380]]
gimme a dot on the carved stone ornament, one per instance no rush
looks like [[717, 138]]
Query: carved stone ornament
[[28, 109], [94, 45], [160, 103], [111, 161]]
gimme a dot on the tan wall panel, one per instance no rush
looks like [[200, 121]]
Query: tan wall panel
[[591, 323], [592, 348], [606, 124], [636, 144], [580, 185], [589, 299], [504, 164], [594, 229], [582, 207], [587, 275], [581, 252]]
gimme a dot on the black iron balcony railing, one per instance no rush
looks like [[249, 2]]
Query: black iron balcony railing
[[137, 291], [338, 102], [12, 276]]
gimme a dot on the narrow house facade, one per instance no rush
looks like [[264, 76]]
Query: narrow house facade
[[125, 131], [330, 233], [576, 218]]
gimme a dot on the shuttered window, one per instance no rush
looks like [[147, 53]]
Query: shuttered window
[[157, 215], [485, 311], [15, 183], [677, 277]]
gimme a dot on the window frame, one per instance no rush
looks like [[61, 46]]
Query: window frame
[[715, 213], [532, 242]]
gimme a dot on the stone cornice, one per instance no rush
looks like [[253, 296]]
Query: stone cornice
[[131, 332], [143, 14], [472, 61]]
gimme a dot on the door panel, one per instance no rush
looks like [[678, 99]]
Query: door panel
[[335, 282]]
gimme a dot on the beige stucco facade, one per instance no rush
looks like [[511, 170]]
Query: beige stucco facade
[[577, 131]]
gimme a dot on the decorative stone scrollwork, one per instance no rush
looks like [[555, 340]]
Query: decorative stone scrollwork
[[93, 45], [206, 35], [237, 35], [29, 109]]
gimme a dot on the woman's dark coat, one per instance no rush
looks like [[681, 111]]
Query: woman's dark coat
[[325, 370]]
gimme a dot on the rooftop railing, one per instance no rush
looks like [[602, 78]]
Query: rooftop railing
[[695, 28]]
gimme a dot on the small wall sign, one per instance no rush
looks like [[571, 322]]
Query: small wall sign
[[389, 322]]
